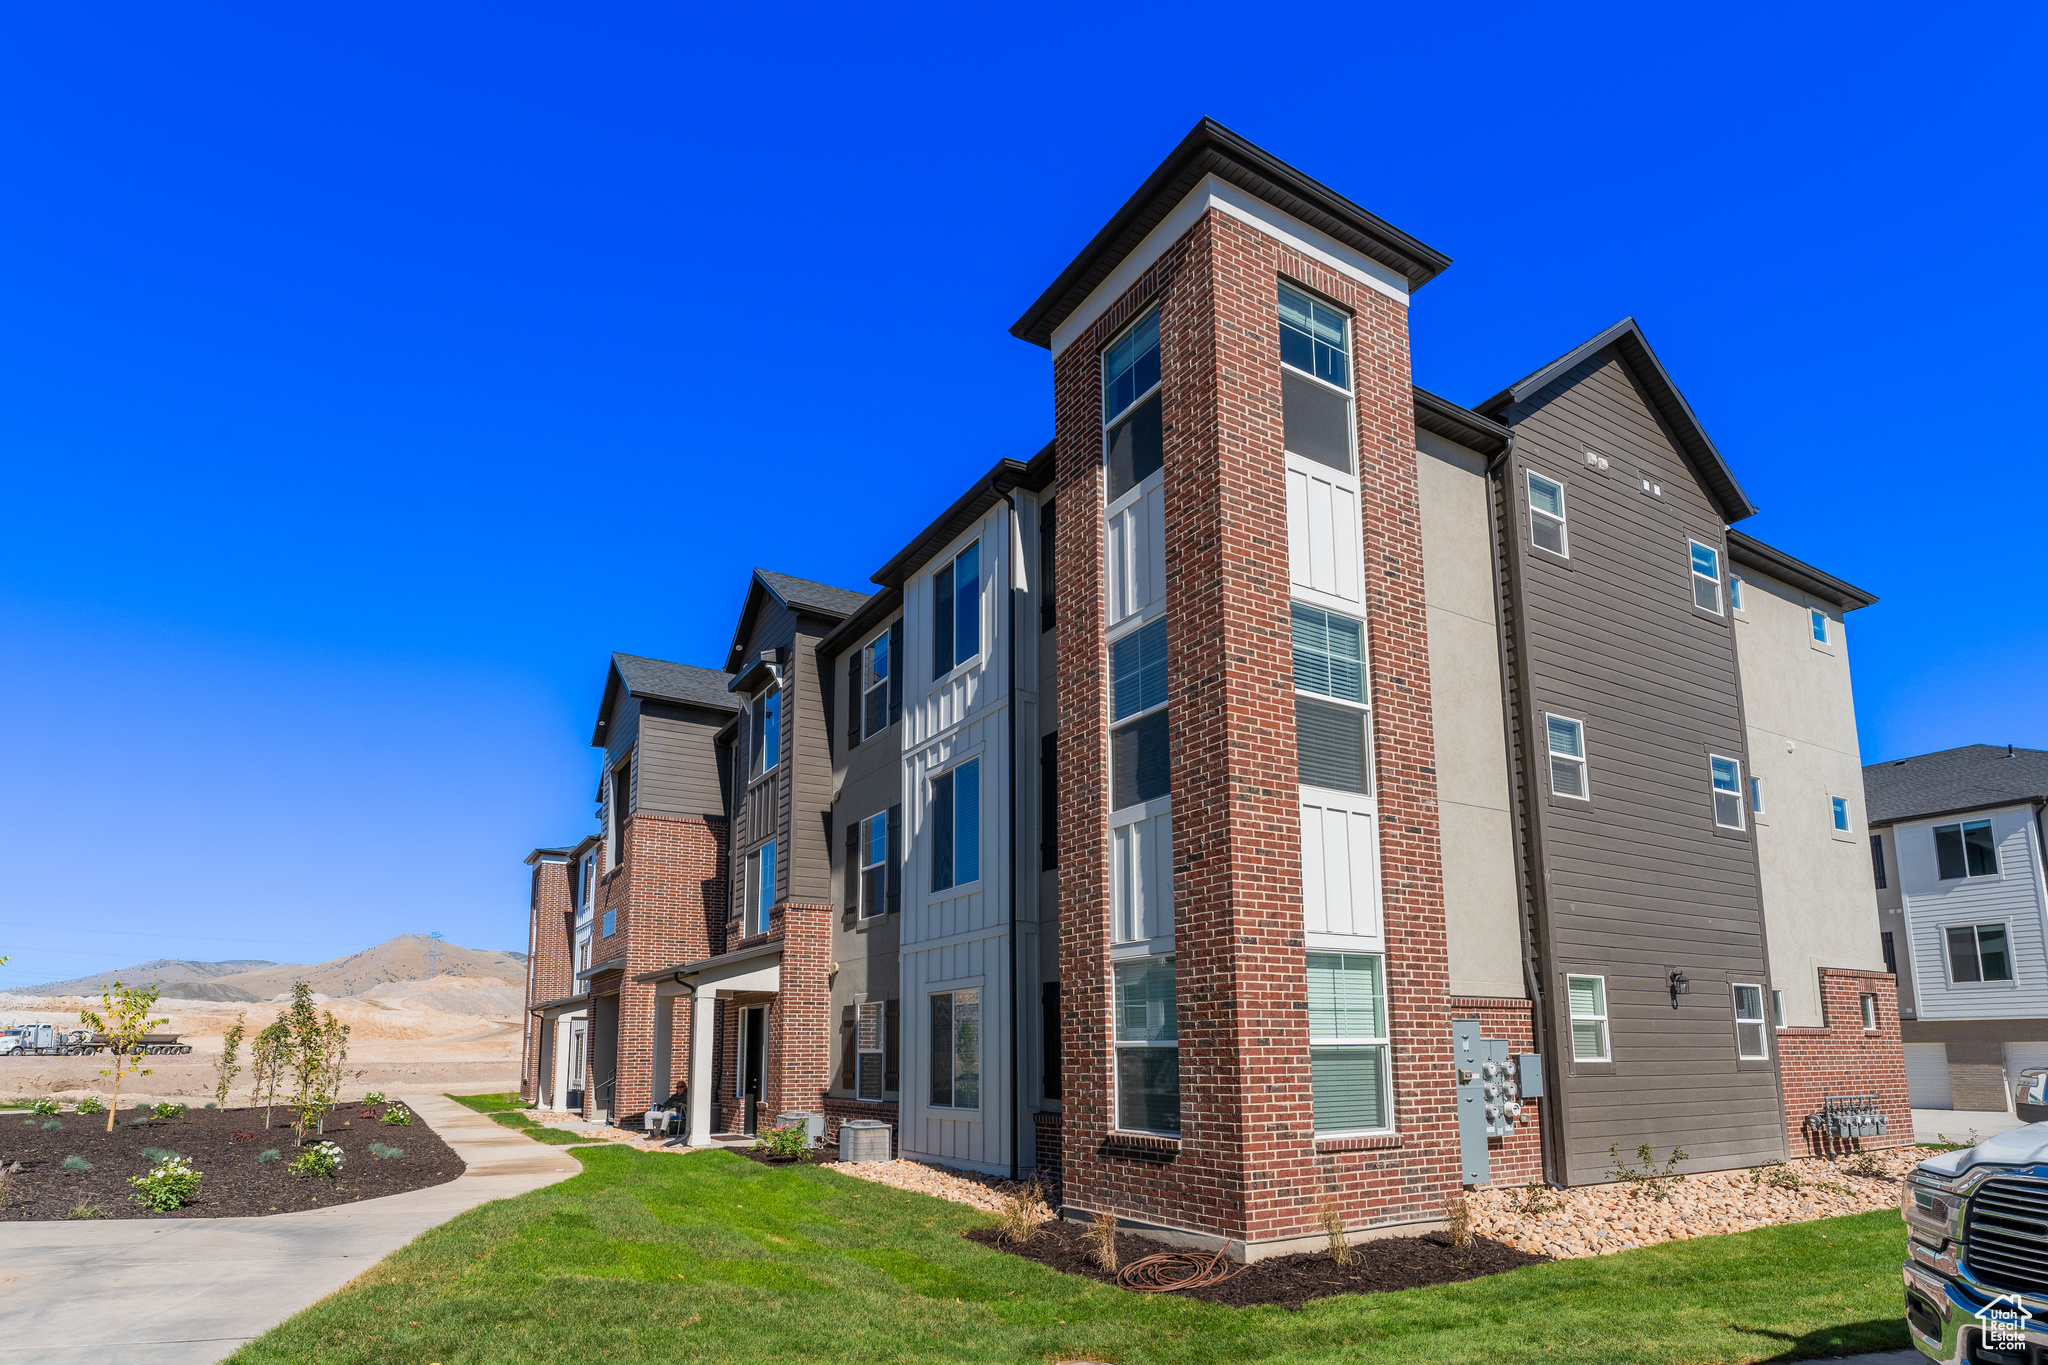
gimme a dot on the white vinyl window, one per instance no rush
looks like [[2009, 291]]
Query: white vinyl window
[[874, 865], [1315, 381], [1868, 1004], [875, 667], [1756, 794], [956, 611], [1567, 741], [1347, 1042], [956, 826], [1588, 998], [760, 887], [1546, 515], [1727, 778], [1979, 953], [767, 732], [868, 1052], [1817, 622], [1778, 1008], [1749, 1024], [1838, 811], [1735, 591], [1965, 850], [1331, 734], [1132, 434], [1147, 1047], [1139, 769], [956, 1049], [1706, 577]]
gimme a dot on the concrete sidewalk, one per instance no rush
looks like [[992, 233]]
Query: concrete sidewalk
[[1930, 1125], [191, 1291]]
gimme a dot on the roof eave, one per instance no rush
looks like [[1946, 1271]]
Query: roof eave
[[2002, 803], [969, 506], [1441, 417], [1747, 550]]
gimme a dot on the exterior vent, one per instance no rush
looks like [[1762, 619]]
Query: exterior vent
[[2005, 1234], [863, 1140]]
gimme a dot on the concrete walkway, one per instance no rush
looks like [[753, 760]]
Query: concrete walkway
[[1930, 1124], [191, 1291]]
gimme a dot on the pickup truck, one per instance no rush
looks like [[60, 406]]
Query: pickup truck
[[1977, 1251]]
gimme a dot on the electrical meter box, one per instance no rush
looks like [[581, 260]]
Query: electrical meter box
[[1490, 1089]]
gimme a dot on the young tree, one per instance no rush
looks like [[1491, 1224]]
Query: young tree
[[319, 1045], [122, 1019], [229, 1065], [333, 1053], [269, 1056]]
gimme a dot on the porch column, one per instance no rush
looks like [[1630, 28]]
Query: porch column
[[703, 1023], [664, 1034]]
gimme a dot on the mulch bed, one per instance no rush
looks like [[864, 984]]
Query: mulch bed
[[236, 1184], [1290, 1281], [811, 1158]]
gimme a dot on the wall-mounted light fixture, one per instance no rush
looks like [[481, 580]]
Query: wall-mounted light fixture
[[1680, 985]]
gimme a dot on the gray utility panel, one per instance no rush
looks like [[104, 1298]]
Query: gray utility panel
[[1491, 1084]]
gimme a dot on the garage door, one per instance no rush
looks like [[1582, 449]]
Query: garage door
[[1927, 1075], [2020, 1056]]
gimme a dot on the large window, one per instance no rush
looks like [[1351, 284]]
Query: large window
[[875, 669], [1978, 952], [1567, 741], [956, 1049], [1137, 680], [1706, 577], [956, 611], [767, 731], [1315, 380], [1965, 850], [1546, 514], [622, 801], [867, 1042], [1347, 1042], [956, 826], [874, 866], [1588, 999], [760, 887], [1749, 1024], [1147, 1048], [1133, 439], [1330, 735], [1727, 778]]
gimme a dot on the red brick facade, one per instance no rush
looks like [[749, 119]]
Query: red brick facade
[[797, 1060], [1247, 1164], [1843, 1058], [548, 970]]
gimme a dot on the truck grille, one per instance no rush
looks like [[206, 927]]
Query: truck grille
[[2005, 1234]]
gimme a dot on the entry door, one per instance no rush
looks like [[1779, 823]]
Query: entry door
[[754, 1037], [576, 1050]]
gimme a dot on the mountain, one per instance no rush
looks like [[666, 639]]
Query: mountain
[[165, 971]]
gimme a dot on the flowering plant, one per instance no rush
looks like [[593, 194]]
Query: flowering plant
[[44, 1108], [322, 1160], [169, 1185], [398, 1116]]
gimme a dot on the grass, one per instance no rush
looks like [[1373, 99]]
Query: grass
[[710, 1257], [489, 1104]]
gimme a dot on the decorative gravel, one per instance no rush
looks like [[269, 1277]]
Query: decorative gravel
[[985, 1192], [1594, 1220]]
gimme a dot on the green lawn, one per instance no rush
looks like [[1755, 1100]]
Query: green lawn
[[710, 1257], [489, 1104]]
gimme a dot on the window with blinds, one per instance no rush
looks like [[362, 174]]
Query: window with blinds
[[1588, 999], [1347, 1028], [1147, 1047]]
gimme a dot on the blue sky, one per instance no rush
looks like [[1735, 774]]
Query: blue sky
[[368, 374]]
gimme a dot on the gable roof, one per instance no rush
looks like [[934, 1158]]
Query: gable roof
[[1748, 550], [660, 680], [1212, 149], [1627, 340], [797, 594], [1974, 777]]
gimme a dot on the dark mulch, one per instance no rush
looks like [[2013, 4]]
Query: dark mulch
[[236, 1184], [814, 1157], [1376, 1266]]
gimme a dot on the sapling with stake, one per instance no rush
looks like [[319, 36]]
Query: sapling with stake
[[123, 1020], [268, 1059], [230, 1063]]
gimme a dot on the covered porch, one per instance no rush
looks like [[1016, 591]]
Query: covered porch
[[750, 978], [564, 1053]]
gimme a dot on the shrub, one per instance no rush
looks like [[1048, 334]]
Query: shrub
[[385, 1153], [398, 1116], [1023, 1211], [170, 1186], [48, 1124], [162, 1154], [211, 1105], [1102, 1238], [92, 1104], [77, 1163], [1458, 1220], [44, 1108], [1333, 1228], [374, 1097], [321, 1161], [86, 1211], [792, 1141], [168, 1110], [1649, 1180], [267, 1154], [1777, 1175], [1536, 1199]]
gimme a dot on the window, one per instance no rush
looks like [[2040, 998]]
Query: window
[[1315, 416], [956, 611], [1818, 622], [875, 667], [1727, 775], [874, 866], [1978, 952], [1147, 1048], [1735, 591], [1778, 1008], [1756, 794], [1049, 1039], [1749, 1024], [767, 732], [1868, 1004], [1133, 442], [583, 955], [867, 1043], [1838, 811], [611, 923], [1347, 1042], [1588, 998], [1329, 661], [1891, 958], [1706, 577], [1139, 769], [1965, 850], [1047, 547], [760, 887], [1877, 860], [956, 1049], [622, 801], [1567, 757], [1546, 514], [956, 826], [1048, 802]]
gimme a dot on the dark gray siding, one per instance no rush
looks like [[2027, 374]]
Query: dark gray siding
[[808, 792], [1638, 881], [678, 767]]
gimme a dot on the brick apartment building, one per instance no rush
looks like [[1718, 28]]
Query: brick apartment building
[[1196, 806]]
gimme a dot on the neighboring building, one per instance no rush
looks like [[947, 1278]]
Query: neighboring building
[[548, 957], [1955, 845], [1185, 786]]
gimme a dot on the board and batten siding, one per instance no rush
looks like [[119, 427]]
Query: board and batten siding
[[2012, 897], [1637, 881]]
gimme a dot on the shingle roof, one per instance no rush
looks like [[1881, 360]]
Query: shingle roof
[[1973, 777], [803, 594], [685, 683]]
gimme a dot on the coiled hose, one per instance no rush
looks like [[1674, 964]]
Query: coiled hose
[[1169, 1270]]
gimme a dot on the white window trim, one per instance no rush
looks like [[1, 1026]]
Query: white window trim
[[1116, 1098], [958, 1112], [760, 757], [1758, 807], [866, 911], [1976, 939], [932, 777], [1735, 602], [1866, 1006], [1102, 375], [1778, 1007], [883, 686], [1158, 805], [1968, 876], [1719, 580], [1848, 825], [1386, 1062], [1826, 636], [1564, 534], [1762, 1020], [981, 582], [1581, 758], [1715, 792], [1350, 347], [1574, 1017], [764, 895]]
